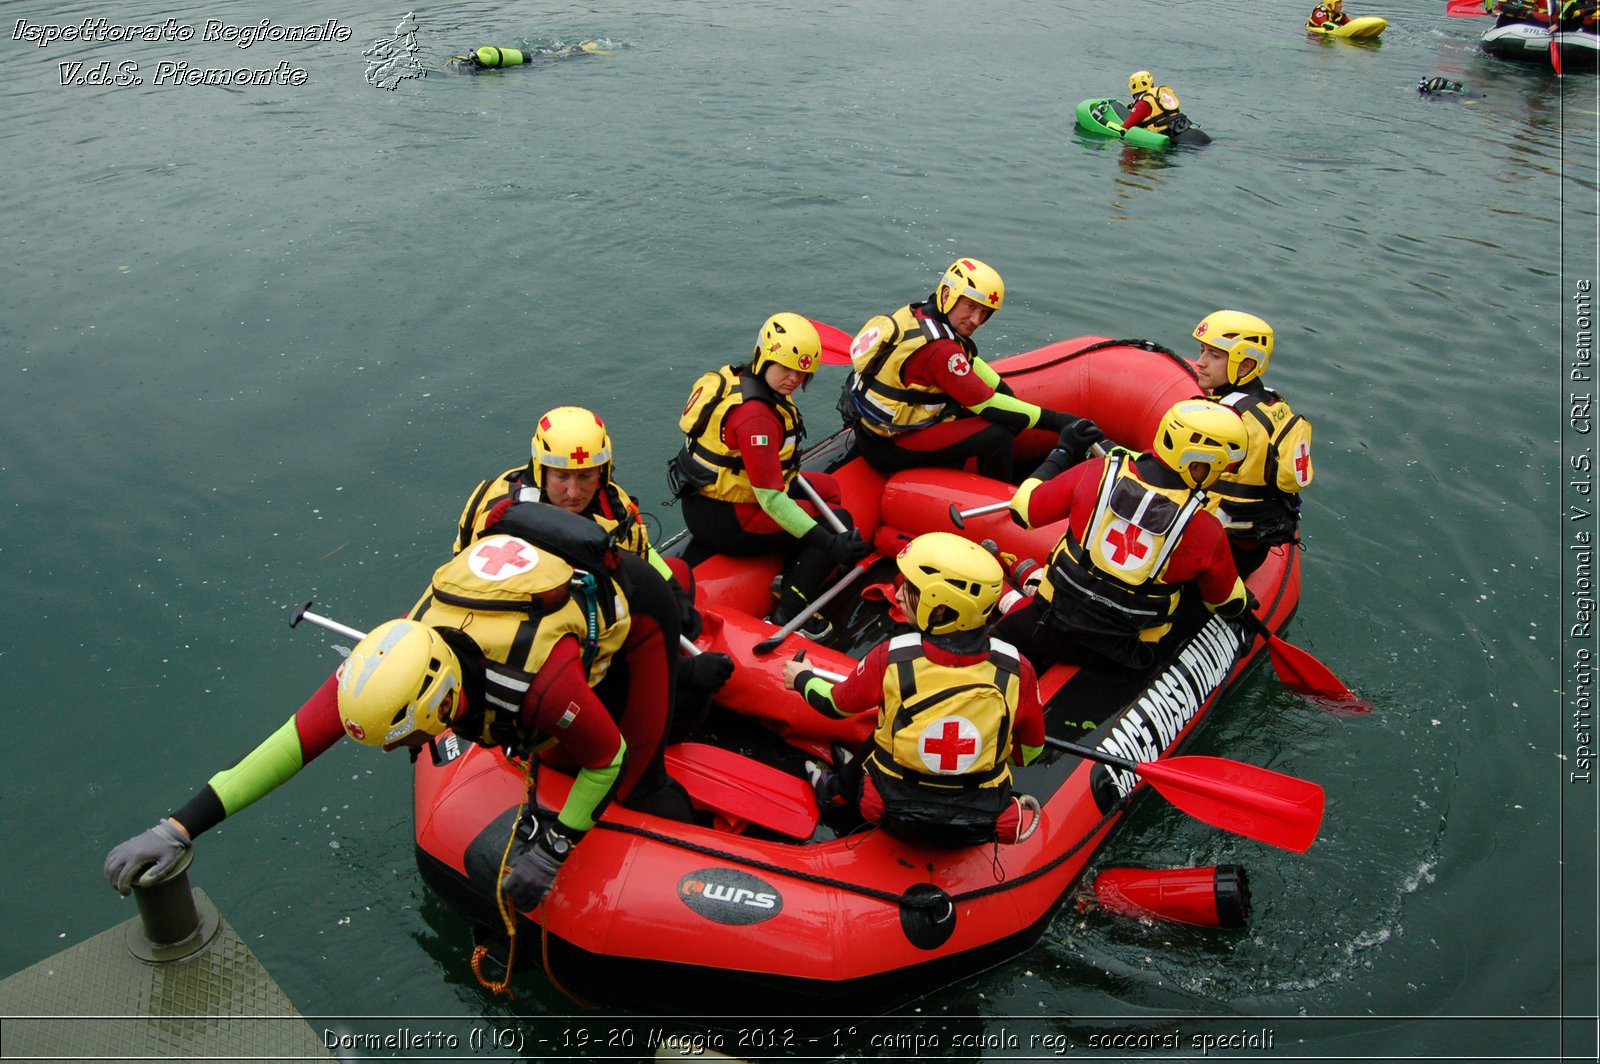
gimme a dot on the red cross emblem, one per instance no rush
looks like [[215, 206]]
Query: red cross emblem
[[806, 362], [578, 456], [1200, 330], [946, 749], [994, 299], [863, 342], [959, 365], [1302, 464], [496, 554], [1126, 541]]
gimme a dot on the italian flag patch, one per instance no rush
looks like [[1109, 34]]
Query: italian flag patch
[[758, 441]]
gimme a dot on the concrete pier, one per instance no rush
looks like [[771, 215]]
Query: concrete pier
[[175, 983]]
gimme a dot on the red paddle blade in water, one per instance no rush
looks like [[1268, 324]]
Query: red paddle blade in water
[[1258, 803], [1303, 673]]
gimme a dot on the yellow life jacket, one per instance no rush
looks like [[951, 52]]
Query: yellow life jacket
[[944, 726], [494, 591], [1163, 101], [1259, 499], [517, 484], [884, 402], [1110, 579], [709, 466]]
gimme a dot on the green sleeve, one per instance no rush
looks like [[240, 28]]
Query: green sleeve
[[261, 771], [818, 693], [986, 373], [658, 563], [1008, 410], [589, 789], [785, 511]]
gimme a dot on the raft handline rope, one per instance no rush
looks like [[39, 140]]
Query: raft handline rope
[[861, 889]]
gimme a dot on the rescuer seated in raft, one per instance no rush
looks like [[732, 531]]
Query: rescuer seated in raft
[[1154, 107], [1138, 531], [919, 396], [1258, 499], [539, 689], [572, 467], [955, 709], [739, 474]]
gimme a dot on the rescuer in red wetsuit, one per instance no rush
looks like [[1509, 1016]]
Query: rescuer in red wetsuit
[[737, 473], [919, 396], [533, 684], [1138, 530], [955, 708]]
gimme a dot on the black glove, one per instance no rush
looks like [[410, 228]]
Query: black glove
[[844, 548], [158, 849], [1239, 607], [530, 876], [688, 615], [1077, 436], [707, 672]]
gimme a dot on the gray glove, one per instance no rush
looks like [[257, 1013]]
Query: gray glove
[[158, 849], [530, 876]]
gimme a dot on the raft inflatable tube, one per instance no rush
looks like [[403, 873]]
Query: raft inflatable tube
[[1103, 118], [1364, 28], [773, 909], [1530, 43]]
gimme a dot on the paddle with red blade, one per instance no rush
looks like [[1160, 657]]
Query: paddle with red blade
[[1303, 673], [1260, 804], [1466, 9], [835, 344], [741, 791]]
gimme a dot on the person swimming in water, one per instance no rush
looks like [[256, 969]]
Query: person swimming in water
[[492, 58]]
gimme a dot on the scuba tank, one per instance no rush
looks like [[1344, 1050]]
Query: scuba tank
[[490, 58]]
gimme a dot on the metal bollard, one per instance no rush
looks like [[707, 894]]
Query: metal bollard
[[173, 923]]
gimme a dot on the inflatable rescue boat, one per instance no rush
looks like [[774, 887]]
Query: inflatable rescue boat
[[1367, 27], [1530, 42], [769, 907], [1104, 117]]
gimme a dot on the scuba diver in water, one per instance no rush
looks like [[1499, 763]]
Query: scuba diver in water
[[1437, 86], [492, 58]]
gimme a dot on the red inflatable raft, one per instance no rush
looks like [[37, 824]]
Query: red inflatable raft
[[771, 911]]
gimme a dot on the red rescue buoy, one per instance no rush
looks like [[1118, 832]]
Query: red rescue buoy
[[1217, 896]]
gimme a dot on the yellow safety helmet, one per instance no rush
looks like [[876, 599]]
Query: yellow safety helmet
[[571, 437], [402, 678], [954, 574], [1140, 81], [1242, 336], [978, 281], [788, 339], [1199, 430]]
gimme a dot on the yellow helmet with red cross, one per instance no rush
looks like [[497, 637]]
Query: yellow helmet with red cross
[[400, 679], [790, 340], [571, 437], [973, 279]]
